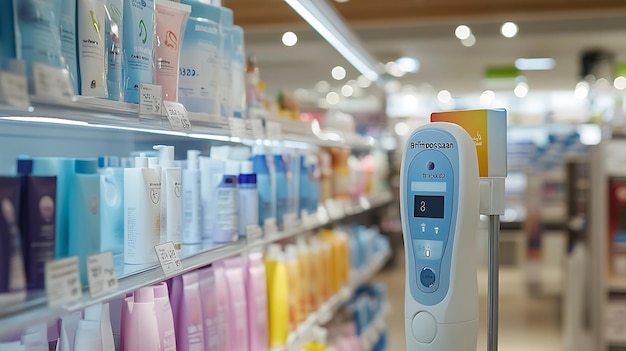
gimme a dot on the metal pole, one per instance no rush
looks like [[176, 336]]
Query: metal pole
[[493, 289]]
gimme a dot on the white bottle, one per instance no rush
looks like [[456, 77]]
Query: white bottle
[[142, 204], [171, 190], [88, 336], [192, 229], [248, 198], [212, 171], [90, 16], [100, 313], [225, 228]]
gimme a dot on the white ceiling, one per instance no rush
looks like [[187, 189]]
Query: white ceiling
[[445, 62]]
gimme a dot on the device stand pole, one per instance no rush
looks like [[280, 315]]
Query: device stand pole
[[493, 289]]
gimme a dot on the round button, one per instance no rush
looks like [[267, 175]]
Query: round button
[[427, 277], [430, 166], [424, 327]]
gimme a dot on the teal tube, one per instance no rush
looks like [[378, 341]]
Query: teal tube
[[138, 39]]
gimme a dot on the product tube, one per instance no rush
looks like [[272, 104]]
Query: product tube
[[212, 172], [35, 338], [277, 294], [223, 306], [138, 39], [7, 32], [199, 66], [88, 336], [37, 222], [69, 325], [99, 313], [192, 225], [248, 198], [171, 19], [256, 298], [238, 70], [187, 314], [225, 62], [305, 185], [233, 270], [113, 43], [139, 322], [141, 213], [84, 225], [282, 187], [267, 203], [111, 205], [165, 317], [293, 276], [12, 275], [225, 229], [67, 23], [171, 204], [208, 293], [91, 16]]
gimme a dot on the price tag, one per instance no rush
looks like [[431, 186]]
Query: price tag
[[364, 202], [168, 257], [101, 274], [149, 99], [256, 126], [177, 115], [290, 221], [14, 89], [254, 232], [63, 281], [322, 214], [53, 82], [270, 227], [273, 130], [237, 127], [335, 209]]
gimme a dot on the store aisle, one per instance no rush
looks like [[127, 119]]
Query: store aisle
[[526, 323]]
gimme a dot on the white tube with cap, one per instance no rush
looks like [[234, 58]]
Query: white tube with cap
[[192, 229], [171, 205]]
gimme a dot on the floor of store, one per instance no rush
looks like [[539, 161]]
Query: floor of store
[[527, 322]]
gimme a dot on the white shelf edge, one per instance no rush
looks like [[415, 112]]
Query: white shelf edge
[[15, 321]]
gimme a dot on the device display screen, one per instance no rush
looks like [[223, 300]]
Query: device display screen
[[428, 206]]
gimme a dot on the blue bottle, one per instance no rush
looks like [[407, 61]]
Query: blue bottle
[[267, 205], [282, 187], [305, 186]]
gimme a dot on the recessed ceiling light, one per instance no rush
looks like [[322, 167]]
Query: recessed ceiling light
[[582, 90], [620, 83], [322, 86], [290, 38], [462, 32], [338, 73], [469, 41], [332, 98], [347, 90], [521, 90], [444, 96], [509, 29], [535, 64], [408, 64], [363, 82]]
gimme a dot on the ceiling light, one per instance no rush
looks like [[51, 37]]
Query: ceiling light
[[401, 128], [444, 96], [487, 97], [462, 32], [509, 29], [535, 64], [469, 42], [363, 82], [332, 98], [620, 83], [521, 90], [322, 86], [326, 21], [347, 90], [408, 64], [290, 38], [582, 90], [338, 73]]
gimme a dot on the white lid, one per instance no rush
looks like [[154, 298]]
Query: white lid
[[192, 159], [275, 253], [141, 162], [220, 152], [231, 168], [302, 245], [166, 155], [258, 149], [291, 252], [247, 167], [153, 162]]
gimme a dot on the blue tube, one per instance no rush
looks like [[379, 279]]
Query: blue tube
[[113, 40], [67, 21], [7, 31], [138, 39]]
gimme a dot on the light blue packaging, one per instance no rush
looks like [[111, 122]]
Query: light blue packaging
[[293, 177], [226, 219], [282, 188], [305, 186], [267, 205], [225, 58], [111, 205], [62, 168], [314, 190], [38, 34], [238, 71], [67, 21], [199, 63], [84, 238], [138, 39], [113, 41], [7, 31]]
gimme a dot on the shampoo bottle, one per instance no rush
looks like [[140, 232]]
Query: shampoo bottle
[[141, 213], [256, 298], [12, 276], [208, 293], [84, 226], [248, 198], [293, 275], [223, 306], [212, 174], [267, 204], [138, 39], [192, 224], [140, 328], [91, 48], [171, 190], [282, 186], [113, 41], [188, 319], [88, 336], [277, 295], [233, 270], [304, 269], [111, 205], [225, 229], [165, 317], [67, 21], [305, 185], [99, 313], [69, 325]]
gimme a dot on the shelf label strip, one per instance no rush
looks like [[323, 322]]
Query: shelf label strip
[[14, 90], [52, 82], [101, 274], [150, 99], [177, 115], [168, 258], [63, 281]]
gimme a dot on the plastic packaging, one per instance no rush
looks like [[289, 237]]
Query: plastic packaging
[[88, 336], [293, 275], [277, 294], [223, 305], [138, 39], [67, 24], [225, 55], [226, 222], [113, 44], [185, 298], [192, 210], [111, 205], [208, 293], [171, 190], [238, 69], [140, 330], [212, 171], [12, 275], [256, 298], [99, 313], [7, 31], [248, 198], [267, 203], [165, 317], [92, 61], [69, 325], [282, 187]]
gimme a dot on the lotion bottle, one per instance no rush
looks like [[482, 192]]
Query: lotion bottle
[[248, 198], [171, 191], [192, 224]]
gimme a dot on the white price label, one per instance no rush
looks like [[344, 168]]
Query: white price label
[[270, 227], [63, 281], [237, 127], [256, 126], [150, 99], [14, 89], [52, 82], [290, 221], [273, 130], [254, 232], [101, 274], [168, 257], [177, 115]]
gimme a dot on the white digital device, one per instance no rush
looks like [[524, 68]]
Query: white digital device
[[439, 201]]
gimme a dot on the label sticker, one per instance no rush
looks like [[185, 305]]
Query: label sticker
[[168, 257], [149, 99], [177, 115], [237, 127], [256, 126], [14, 90], [101, 274], [63, 281], [52, 82]]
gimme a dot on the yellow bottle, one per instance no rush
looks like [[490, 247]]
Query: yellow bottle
[[304, 262], [293, 273], [321, 261], [277, 296], [336, 261], [315, 285]]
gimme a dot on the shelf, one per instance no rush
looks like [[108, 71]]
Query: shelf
[[328, 309], [132, 277]]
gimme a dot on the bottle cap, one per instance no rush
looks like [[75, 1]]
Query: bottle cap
[[141, 162], [247, 167], [166, 155], [192, 159]]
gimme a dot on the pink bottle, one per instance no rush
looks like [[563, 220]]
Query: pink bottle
[[165, 318], [140, 330], [223, 306], [233, 270], [209, 309], [186, 305], [256, 297]]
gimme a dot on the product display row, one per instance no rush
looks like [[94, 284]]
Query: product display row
[[247, 303]]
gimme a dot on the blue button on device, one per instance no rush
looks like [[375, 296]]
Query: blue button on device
[[427, 277]]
